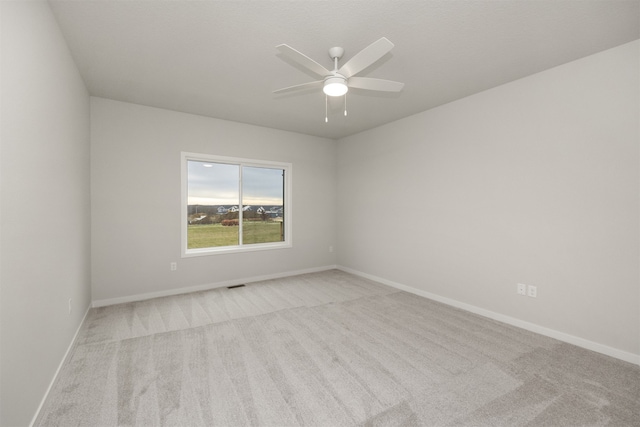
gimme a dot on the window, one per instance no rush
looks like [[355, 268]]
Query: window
[[234, 205]]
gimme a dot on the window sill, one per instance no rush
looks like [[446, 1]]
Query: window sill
[[235, 249]]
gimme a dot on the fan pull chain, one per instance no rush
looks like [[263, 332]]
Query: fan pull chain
[[326, 116], [345, 105]]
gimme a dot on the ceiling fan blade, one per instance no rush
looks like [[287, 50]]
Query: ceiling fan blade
[[303, 60], [299, 87], [366, 57], [375, 84]]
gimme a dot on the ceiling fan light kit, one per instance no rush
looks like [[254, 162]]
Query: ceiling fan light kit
[[337, 82], [335, 86]]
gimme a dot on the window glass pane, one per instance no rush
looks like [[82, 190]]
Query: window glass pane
[[263, 205], [213, 199]]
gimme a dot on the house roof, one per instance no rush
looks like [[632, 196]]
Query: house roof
[[218, 58]]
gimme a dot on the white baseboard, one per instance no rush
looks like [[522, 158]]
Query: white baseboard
[[561, 336], [55, 376], [205, 287]]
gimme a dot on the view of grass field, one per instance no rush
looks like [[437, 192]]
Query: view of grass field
[[214, 235]]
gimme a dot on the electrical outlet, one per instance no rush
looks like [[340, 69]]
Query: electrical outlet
[[532, 291], [522, 289], [174, 266]]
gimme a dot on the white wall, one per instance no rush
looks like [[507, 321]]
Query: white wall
[[135, 188], [532, 182], [45, 205]]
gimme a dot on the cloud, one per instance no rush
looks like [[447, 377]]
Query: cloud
[[218, 184], [262, 186]]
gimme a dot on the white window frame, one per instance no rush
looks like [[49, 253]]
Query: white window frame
[[288, 206]]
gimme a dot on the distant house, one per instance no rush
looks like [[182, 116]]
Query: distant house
[[274, 211], [260, 210], [233, 209], [200, 218], [246, 208], [222, 210]]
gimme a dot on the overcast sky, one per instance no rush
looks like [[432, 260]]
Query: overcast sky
[[217, 184]]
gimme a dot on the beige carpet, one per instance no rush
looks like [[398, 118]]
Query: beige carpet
[[328, 349]]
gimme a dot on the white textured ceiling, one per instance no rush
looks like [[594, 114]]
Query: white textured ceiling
[[218, 58]]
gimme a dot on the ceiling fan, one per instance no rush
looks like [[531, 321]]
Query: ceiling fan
[[338, 81]]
